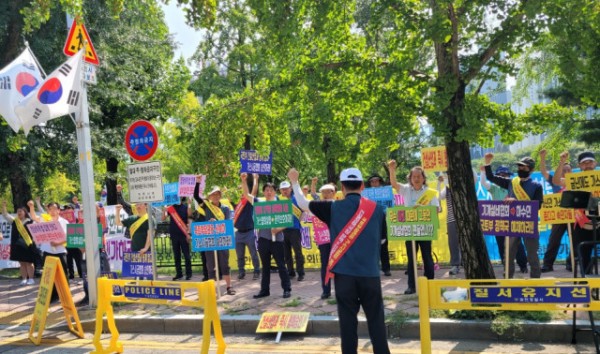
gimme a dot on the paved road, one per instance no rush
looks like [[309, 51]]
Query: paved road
[[14, 340]]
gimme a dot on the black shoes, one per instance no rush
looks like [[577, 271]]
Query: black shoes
[[292, 275], [569, 268], [256, 276], [409, 291], [188, 277], [83, 302], [261, 294], [325, 296], [287, 294], [301, 277], [387, 273], [177, 277], [524, 270], [546, 269], [241, 276]]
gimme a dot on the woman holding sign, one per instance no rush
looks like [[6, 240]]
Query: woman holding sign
[[22, 246], [416, 193]]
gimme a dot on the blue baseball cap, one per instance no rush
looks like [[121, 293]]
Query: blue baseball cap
[[503, 170]]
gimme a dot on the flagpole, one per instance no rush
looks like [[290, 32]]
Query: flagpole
[[86, 174]]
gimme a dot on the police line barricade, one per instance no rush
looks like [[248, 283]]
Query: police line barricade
[[549, 294], [159, 293]]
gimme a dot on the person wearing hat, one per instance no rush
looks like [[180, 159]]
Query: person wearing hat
[[292, 235], [498, 193], [324, 242], [558, 230], [357, 228], [373, 182], [416, 193], [213, 210], [586, 162], [520, 188]]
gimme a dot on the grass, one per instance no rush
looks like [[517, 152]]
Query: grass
[[397, 319], [10, 273], [292, 303]]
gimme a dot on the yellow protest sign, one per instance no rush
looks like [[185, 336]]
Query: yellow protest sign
[[434, 159], [552, 213], [273, 322], [53, 276], [588, 181]]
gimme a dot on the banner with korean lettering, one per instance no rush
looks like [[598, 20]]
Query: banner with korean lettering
[[434, 159], [564, 294], [170, 191], [252, 162], [212, 235], [552, 213], [514, 219], [588, 181], [419, 223], [136, 265], [277, 213], [46, 232], [321, 232], [187, 183], [116, 243], [5, 261], [273, 322], [76, 236], [381, 195]]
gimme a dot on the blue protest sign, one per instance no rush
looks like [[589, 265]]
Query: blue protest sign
[[170, 193], [514, 219], [252, 162], [137, 265], [381, 195], [212, 235]]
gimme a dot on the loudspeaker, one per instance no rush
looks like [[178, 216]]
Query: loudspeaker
[[575, 199]]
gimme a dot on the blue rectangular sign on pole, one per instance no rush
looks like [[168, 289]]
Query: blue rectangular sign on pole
[[252, 162]]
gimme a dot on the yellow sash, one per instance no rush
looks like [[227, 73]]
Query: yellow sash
[[518, 190], [216, 211], [23, 232], [136, 225], [297, 212], [426, 197]]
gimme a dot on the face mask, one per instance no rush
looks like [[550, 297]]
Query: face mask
[[523, 174]]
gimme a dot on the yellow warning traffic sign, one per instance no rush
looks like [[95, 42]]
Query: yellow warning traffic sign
[[77, 38]]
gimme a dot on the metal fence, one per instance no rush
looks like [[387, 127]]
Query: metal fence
[[164, 250]]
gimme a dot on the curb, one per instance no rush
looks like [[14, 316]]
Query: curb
[[441, 329]]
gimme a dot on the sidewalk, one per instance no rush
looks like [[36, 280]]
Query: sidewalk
[[240, 312]]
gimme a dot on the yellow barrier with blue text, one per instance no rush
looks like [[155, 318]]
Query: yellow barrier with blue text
[[505, 295], [159, 293]]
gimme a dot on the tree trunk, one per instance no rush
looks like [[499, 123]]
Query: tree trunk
[[21, 191], [112, 165], [474, 253], [332, 176]]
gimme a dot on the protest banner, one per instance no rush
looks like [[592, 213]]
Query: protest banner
[[512, 219], [383, 196], [187, 183], [588, 181], [5, 261], [116, 243], [321, 232], [69, 215], [552, 213], [272, 214], [46, 232], [273, 322], [136, 265], [212, 235], [434, 159], [76, 236], [419, 223], [252, 162], [170, 191]]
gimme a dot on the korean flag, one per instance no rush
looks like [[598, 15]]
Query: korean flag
[[17, 80], [58, 95]]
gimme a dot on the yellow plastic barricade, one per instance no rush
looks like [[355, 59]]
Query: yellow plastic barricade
[[505, 295], [159, 293]]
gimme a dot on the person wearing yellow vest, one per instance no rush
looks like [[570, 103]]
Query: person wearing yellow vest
[[54, 248], [22, 246], [138, 227], [520, 188], [357, 229], [214, 210], [416, 193]]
